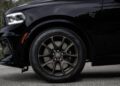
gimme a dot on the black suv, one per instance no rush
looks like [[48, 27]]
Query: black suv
[[57, 37]]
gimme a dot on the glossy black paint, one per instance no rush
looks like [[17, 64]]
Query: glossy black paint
[[96, 21]]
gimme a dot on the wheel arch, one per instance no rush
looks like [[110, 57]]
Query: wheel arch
[[60, 21]]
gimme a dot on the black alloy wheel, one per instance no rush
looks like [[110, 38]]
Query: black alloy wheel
[[56, 55]]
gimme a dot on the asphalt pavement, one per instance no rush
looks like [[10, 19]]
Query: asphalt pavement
[[91, 76]]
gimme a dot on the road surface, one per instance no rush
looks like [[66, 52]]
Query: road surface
[[91, 76]]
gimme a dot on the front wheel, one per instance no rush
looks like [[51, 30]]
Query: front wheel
[[57, 55]]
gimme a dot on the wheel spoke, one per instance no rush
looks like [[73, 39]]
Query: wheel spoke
[[70, 55], [68, 47], [48, 62], [54, 67], [53, 42], [61, 67], [49, 49], [39, 56], [66, 62], [62, 42]]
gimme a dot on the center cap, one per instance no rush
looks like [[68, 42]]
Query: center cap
[[57, 54]]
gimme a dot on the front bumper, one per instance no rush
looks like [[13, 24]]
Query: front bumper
[[10, 47], [6, 52]]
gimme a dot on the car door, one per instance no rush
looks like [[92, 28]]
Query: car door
[[108, 31]]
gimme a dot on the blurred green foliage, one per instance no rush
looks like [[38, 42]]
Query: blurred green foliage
[[7, 4]]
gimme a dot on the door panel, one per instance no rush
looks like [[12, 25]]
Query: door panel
[[107, 33]]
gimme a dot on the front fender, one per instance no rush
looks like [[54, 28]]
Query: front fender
[[73, 9], [37, 28]]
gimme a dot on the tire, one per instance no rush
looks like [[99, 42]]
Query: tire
[[58, 55]]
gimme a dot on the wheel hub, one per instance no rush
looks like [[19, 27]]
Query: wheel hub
[[57, 55]]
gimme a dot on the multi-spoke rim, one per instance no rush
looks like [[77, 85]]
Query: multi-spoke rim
[[58, 55]]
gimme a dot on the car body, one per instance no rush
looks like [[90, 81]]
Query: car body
[[96, 22]]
